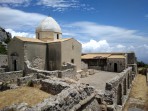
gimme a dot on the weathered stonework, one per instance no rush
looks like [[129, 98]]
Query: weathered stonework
[[117, 90], [10, 77]]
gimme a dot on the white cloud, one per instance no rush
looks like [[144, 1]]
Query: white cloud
[[14, 2], [89, 30], [61, 5], [19, 20], [22, 34], [96, 46]]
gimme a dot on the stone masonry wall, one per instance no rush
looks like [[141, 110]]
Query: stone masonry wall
[[25, 80], [53, 86], [10, 76], [71, 72]]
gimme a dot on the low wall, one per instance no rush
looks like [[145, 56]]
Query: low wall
[[25, 80], [10, 76], [53, 86], [2, 70], [71, 72]]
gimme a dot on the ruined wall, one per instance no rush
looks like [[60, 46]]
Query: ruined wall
[[74, 97], [10, 76], [117, 89], [3, 60], [84, 66], [25, 80], [71, 72]]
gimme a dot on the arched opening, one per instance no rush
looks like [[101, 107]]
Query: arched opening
[[15, 65], [128, 81], [119, 95], [115, 67], [124, 85]]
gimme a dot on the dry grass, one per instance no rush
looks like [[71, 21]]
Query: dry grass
[[139, 91], [29, 95]]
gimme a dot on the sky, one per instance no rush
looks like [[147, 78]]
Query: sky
[[100, 25]]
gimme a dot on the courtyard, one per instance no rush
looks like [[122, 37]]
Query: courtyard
[[99, 79]]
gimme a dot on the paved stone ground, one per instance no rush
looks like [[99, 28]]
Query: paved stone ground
[[99, 79]]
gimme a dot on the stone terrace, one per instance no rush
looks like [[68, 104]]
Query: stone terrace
[[99, 79]]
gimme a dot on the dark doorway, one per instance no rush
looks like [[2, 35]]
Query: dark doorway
[[15, 65], [119, 95], [115, 67]]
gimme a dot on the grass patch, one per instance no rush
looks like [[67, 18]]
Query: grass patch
[[26, 94]]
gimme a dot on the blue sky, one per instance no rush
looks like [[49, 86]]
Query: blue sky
[[100, 25]]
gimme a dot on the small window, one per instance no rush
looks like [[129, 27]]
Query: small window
[[72, 60], [57, 36]]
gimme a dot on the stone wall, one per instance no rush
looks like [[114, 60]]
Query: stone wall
[[10, 76], [53, 86], [3, 60], [117, 89], [84, 66], [57, 73], [25, 80]]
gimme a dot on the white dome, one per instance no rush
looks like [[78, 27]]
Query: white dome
[[49, 24]]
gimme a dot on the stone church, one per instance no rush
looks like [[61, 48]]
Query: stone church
[[48, 51]]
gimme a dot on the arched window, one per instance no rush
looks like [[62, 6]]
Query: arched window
[[57, 36]]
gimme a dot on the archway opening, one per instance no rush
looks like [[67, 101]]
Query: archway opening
[[119, 95], [124, 85], [115, 67], [128, 81]]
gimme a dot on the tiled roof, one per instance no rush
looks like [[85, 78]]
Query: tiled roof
[[95, 56], [102, 55], [116, 56], [60, 40]]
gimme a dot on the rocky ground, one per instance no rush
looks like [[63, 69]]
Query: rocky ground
[[139, 94]]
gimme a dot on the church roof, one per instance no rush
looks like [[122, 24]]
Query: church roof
[[28, 39], [49, 24]]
